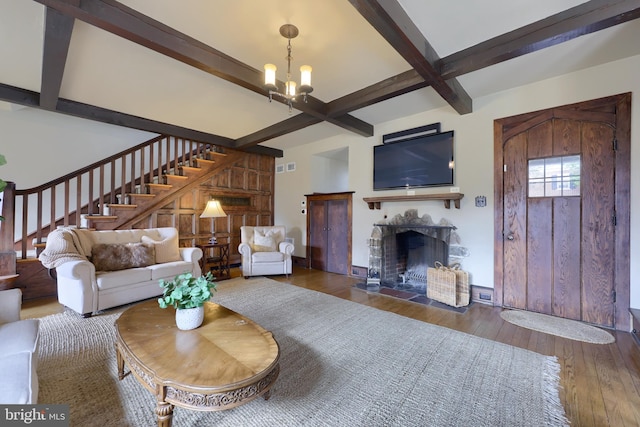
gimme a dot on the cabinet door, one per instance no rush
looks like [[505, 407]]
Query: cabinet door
[[337, 237], [317, 234]]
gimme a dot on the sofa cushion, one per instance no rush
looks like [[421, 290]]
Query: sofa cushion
[[169, 269], [167, 250], [19, 383], [113, 257], [19, 336], [115, 279], [258, 257], [265, 240]]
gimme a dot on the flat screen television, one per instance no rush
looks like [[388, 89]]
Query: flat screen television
[[420, 161]]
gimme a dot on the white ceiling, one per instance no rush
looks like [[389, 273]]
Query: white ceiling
[[346, 53]]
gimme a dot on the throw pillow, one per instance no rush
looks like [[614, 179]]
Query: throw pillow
[[122, 256], [264, 241], [166, 250]]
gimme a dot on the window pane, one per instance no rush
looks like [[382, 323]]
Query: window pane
[[536, 168], [554, 177]]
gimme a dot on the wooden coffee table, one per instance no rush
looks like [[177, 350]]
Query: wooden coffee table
[[228, 361]]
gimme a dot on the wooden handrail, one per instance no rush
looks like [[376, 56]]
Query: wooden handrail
[[100, 183]]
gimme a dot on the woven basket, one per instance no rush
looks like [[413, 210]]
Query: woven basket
[[448, 285]]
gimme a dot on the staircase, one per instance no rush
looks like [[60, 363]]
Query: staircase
[[115, 193]]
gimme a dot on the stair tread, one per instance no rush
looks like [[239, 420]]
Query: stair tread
[[100, 217], [120, 206], [143, 195], [190, 168], [205, 161], [160, 185], [215, 153], [177, 176]]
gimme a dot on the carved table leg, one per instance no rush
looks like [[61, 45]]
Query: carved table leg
[[267, 395], [120, 360], [164, 410]]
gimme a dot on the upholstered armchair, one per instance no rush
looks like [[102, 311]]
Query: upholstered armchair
[[264, 251]]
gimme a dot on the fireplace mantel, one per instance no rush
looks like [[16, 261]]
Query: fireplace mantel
[[375, 202]]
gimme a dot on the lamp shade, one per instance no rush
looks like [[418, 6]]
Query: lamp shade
[[305, 75], [213, 210], [270, 75]]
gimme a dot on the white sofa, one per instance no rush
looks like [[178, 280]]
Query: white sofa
[[264, 251], [18, 352], [75, 253]]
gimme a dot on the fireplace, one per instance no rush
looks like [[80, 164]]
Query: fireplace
[[408, 246]]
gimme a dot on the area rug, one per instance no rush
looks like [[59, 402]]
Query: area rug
[[565, 328], [342, 364]]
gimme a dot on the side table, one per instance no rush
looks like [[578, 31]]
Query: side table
[[215, 258]]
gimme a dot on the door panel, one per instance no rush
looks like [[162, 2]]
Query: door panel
[[539, 255], [337, 233], [566, 244], [597, 225], [318, 234], [515, 234]]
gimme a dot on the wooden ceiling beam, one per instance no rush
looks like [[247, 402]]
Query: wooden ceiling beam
[[392, 22], [386, 89], [284, 127], [57, 36], [586, 18], [125, 22]]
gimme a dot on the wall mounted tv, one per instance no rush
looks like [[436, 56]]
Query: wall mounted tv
[[422, 160]]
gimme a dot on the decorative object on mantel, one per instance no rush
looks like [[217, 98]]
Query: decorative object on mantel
[[374, 202], [213, 210], [289, 32], [187, 295]]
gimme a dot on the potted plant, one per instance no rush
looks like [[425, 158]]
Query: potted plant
[[187, 295]]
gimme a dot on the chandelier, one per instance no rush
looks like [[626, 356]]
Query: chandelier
[[289, 32]]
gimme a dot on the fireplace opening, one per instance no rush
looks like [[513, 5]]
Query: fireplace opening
[[408, 250]]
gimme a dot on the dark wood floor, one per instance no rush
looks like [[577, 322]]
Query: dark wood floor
[[601, 383]]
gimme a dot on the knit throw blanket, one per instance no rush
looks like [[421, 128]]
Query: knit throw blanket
[[64, 245]]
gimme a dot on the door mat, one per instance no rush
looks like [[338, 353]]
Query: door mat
[[558, 326]]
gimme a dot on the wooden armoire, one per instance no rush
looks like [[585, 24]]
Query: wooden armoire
[[329, 231]]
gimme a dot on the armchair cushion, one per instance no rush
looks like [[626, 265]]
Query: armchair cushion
[[266, 240]]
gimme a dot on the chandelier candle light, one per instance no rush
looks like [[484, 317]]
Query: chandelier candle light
[[289, 32], [213, 209]]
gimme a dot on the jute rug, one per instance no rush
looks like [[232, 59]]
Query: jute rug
[[558, 326], [342, 364]]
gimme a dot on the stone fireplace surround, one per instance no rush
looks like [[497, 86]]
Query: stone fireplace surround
[[411, 244]]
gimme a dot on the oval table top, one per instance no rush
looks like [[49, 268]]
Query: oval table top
[[226, 352]]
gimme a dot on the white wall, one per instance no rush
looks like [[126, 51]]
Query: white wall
[[32, 141], [474, 165]]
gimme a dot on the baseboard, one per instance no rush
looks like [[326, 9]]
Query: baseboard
[[635, 324]]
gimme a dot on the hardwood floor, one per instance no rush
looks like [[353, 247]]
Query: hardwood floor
[[600, 383]]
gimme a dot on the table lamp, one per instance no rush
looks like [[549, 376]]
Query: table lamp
[[213, 210]]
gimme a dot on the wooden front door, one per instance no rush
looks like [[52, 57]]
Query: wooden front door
[[559, 220]]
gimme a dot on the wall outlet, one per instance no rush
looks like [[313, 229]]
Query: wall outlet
[[454, 189], [411, 192], [485, 296]]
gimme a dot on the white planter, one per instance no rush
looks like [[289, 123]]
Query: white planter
[[189, 318]]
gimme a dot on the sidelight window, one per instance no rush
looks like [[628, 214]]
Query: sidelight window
[[554, 177]]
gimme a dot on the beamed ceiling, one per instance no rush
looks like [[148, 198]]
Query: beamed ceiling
[[193, 68]]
